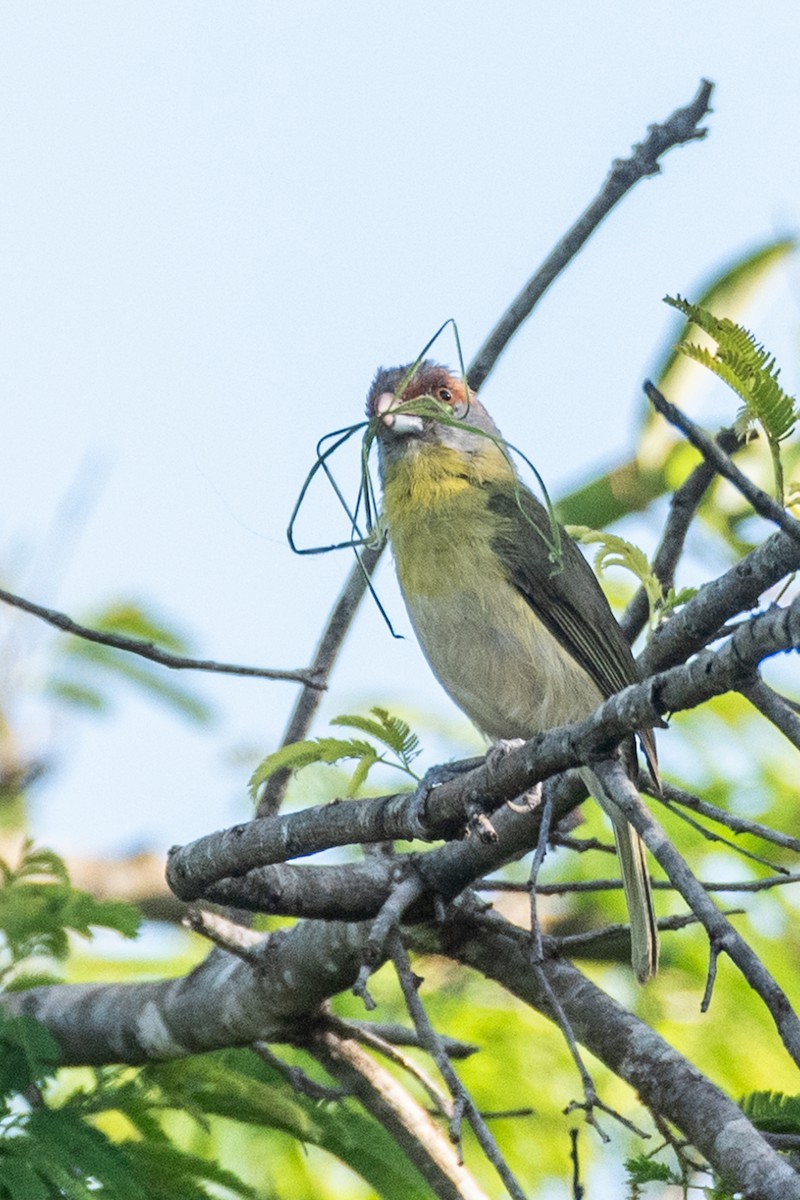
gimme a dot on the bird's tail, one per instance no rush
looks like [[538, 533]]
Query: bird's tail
[[635, 884]]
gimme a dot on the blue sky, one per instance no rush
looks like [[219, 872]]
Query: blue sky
[[217, 220]]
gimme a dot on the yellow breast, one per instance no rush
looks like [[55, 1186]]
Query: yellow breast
[[484, 642]]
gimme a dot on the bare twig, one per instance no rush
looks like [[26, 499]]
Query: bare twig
[[399, 900], [303, 1084], [228, 935], [684, 505], [429, 1037], [670, 794], [577, 1187], [369, 1037], [775, 708], [414, 1130], [576, 886], [681, 127], [381, 1033], [590, 943], [711, 836], [590, 1098], [177, 662], [328, 647], [722, 935], [763, 503]]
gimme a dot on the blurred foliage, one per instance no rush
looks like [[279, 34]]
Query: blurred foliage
[[53, 1146], [83, 672]]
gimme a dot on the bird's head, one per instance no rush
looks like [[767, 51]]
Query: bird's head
[[424, 408]]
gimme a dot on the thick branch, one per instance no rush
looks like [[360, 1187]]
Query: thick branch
[[226, 1002], [735, 591], [244, 850]]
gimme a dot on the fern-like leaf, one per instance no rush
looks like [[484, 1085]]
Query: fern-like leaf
[[390, 731], [303, 754], [772, 1112], [393, 732], [750, 371], [615, 551]]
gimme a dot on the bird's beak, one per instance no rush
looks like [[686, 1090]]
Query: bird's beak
[[386, 407]]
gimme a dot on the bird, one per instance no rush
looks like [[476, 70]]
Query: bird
[[522, 639]]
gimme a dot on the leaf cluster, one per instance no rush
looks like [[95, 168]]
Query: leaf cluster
[[39, 909], [750, 371], [400, 748], [49, 1149], [615, 551]]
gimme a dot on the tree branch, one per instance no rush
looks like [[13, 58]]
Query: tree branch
[[683, 506], [722, 935], [762, 503], [176, 662], [242, 851], [678, 129], [666, 1083]]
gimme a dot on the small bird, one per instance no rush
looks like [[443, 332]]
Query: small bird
[[520, 641]]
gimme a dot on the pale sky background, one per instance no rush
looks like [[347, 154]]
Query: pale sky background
[[217, 219]]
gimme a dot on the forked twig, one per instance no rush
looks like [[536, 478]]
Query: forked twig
[[760, 500], [461, 1098]]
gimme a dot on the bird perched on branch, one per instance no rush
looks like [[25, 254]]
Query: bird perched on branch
[[507, 611]]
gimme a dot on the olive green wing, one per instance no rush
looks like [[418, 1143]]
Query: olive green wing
[[564, 593]]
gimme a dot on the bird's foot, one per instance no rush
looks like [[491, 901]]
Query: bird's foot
[[431, 780]]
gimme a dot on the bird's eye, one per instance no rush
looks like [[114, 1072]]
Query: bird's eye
[[445, 394]]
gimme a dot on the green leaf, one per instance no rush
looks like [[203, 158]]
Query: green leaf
[[646, 1170], [772, 1112], [89, 661], [662, 459], [166, 1172], [39, 861], [28, 1054], [237, 1084], [18, 1179], [136, 621], [82, 911], [391, 731], [617, 552], [302, 754], [76, 695], [70, 1148], [745, 365]]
